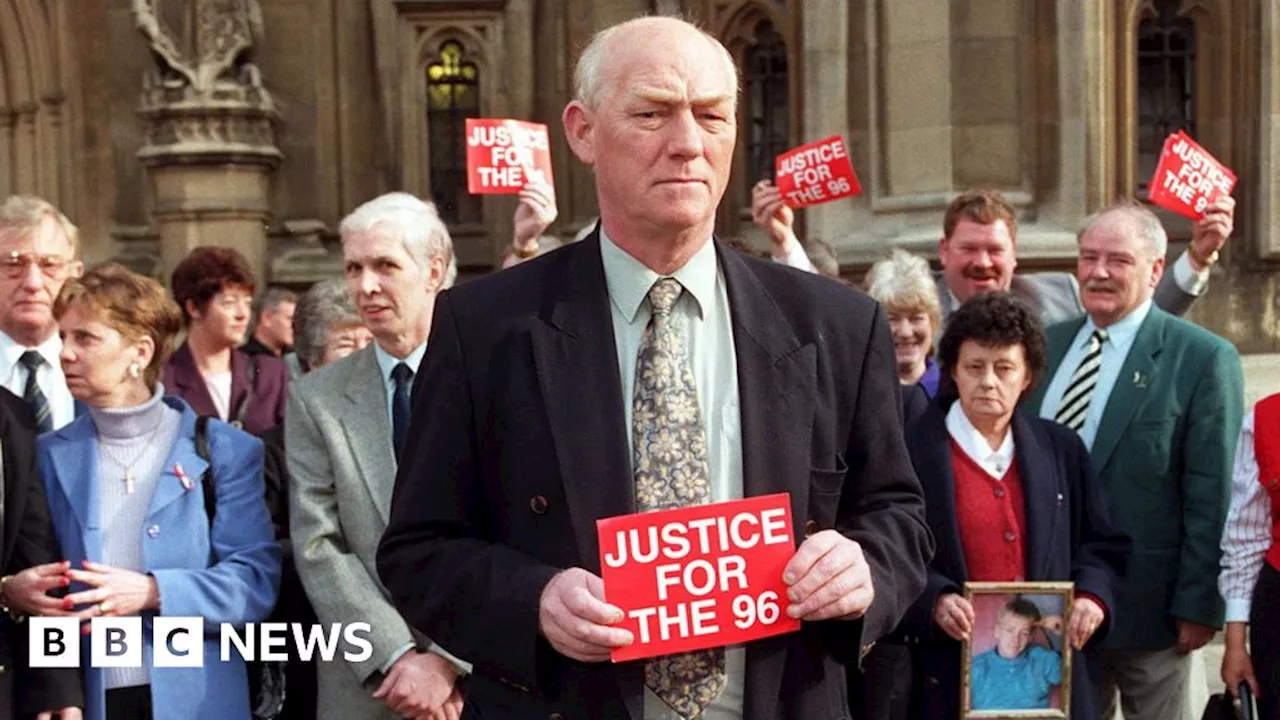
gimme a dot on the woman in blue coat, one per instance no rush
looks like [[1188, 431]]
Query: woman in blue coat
[[126, 496]]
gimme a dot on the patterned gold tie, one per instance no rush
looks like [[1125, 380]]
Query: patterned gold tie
[[671, 471]]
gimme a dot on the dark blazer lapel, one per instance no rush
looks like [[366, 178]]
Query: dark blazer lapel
[[576, 360], [776, 386], [577, 364], [239, 382], [188, 383], [1130, 390], [930, 447], [1043, 493]]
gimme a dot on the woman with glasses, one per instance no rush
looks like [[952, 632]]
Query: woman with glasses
[[150, 525]]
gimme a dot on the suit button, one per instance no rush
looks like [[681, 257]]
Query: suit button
[[3, 669], [810, 528], [153, 531], [539, 504], [1009, 536]]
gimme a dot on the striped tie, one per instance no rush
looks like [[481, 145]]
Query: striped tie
[[1075, 401], [32, 360]]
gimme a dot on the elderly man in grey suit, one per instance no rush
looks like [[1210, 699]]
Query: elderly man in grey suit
[[344, 430], [978, 253]]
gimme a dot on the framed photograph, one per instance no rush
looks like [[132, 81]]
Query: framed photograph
[[1016, 664]]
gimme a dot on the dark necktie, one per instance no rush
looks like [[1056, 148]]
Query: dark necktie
[[1079, 395], [35, 398], [671, 471], [403, 378]]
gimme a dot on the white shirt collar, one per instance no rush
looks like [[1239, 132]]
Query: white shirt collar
[[995, 462], [11, 351], [629, 280], [387, 362], [1121, 333]]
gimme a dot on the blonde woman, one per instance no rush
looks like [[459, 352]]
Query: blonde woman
[[905, 287]]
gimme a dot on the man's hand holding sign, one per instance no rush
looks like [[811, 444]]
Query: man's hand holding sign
[[700, 577], [1192, 183]]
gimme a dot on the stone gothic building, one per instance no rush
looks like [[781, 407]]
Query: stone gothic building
[[159, 125]]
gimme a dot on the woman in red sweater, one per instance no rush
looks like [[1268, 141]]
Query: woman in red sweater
[[1010, 498]]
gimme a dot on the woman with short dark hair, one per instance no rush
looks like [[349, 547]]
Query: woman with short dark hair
[[1010, 497], [214, 288]]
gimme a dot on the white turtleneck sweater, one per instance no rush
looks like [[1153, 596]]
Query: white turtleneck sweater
[[136, 439]]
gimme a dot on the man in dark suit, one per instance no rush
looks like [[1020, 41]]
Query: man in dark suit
[[649, 367], [1159, 402], [32, 567]]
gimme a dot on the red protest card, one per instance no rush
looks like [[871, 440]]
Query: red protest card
[[1188, 179], [699, 577], [816, 173], [505, 155]]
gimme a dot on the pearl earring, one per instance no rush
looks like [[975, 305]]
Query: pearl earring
[[135, 370]]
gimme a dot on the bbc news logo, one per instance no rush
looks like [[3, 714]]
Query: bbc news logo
[[178, 642]]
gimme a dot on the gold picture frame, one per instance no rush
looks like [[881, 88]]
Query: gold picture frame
[[998, 609]]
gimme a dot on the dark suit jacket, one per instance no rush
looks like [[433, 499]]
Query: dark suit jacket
[[28, 539], [1164, 451], [1070, 537], [519, 446], [270, 387]]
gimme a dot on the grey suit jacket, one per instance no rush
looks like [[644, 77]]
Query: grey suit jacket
[[342, 469], [1055, 296]]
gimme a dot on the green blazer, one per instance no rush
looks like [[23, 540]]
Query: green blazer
[[1164, 454]]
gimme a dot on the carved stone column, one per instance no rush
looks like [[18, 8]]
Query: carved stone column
[[210, 147]]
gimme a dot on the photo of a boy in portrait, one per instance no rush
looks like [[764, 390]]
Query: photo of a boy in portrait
[[1015, 663], [1016, 674]]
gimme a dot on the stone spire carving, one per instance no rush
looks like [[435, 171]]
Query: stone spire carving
[[204, 95]]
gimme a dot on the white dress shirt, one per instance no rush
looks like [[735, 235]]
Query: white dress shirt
[[49, 376], [995, 462], [1115, 349], [705, 305], [1247, 535]]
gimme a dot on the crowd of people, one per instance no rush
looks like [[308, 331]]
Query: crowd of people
[[389, 449]]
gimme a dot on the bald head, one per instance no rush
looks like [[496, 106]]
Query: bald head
[[598, 66]]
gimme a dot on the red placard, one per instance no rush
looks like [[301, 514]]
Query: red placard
[[1188, 179], [699, 577], [505, 155], [816, 173]]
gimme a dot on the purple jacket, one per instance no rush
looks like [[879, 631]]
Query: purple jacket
[[270, 388]]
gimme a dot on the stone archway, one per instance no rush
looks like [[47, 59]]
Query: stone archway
[[34, 152]]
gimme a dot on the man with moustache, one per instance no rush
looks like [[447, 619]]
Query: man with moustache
[[345, 430], [978, 253], [603, 379], [38, 252], [1159, 402]]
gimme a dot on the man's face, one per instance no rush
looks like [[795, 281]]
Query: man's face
[[33, 268], [977, 258], [1116, 269], [662, 135], [276, 324], [1013, 634], [393, 294]]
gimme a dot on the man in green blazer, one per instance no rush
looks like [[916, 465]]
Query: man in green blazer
[[1159, 401]]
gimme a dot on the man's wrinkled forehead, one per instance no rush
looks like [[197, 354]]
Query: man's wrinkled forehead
[[671, 71]]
